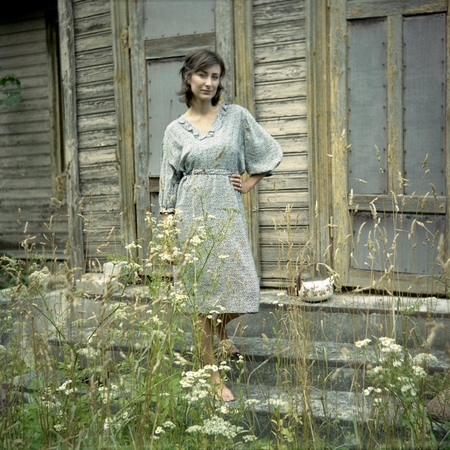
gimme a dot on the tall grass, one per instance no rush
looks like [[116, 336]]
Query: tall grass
[[124, 369]]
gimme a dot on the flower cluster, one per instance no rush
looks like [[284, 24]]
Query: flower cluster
[[161, 430], [396, 376], [216, 426], [107, 392], [363, 343], [65, 387], [198, 382]]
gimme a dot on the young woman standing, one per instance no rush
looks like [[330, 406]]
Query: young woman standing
[[205, 153]]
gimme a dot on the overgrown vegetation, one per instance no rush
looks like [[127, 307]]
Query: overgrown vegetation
[[124, 369]]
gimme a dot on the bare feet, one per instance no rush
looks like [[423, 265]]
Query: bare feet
[[223, 393]]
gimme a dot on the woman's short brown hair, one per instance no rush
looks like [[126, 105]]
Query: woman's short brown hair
[[197, 61]]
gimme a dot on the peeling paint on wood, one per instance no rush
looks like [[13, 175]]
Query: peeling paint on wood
[[381, 8]]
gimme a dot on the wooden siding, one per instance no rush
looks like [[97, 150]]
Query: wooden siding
[[280, 107], [97, 128], [27, 181]]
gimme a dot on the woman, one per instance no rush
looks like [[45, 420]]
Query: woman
[[205, 153]]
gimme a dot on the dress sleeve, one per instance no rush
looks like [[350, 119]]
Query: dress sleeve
[[170, 175], [261, 151]]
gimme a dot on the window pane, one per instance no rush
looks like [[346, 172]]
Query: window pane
[[424, 103], [367, 106]]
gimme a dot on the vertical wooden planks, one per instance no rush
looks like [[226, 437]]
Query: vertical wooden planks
[[318, 90], [339, 137], [122, 88], [224, 44], [68, 74], [140, 122], [244, 86], [394, 79]]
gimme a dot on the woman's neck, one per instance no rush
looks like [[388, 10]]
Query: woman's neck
[[201, 109]]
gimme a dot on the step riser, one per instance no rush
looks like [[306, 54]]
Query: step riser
[[345, 327]]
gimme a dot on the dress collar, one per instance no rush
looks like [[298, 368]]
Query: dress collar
[[214, 128]]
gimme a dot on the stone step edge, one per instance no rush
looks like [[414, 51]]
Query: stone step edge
[[334, 354]]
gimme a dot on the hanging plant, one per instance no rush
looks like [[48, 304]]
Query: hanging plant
[[10, 90]]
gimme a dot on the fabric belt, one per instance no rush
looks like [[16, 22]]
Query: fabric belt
[[209, 172]]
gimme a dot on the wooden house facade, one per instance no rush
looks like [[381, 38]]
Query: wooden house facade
[[356, 92]]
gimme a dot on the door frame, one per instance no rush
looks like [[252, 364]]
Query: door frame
[[233, 37]]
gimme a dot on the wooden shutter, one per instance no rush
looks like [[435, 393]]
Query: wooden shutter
[[388, 142]]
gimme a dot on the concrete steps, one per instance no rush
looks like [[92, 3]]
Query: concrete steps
[[295, 351]]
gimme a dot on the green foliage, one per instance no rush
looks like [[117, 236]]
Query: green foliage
[[124, 375], [10, 90], [12, 272]]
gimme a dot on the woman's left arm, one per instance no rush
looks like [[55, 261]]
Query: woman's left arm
[[245, 186]]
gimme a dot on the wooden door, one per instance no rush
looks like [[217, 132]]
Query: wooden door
[[389, 143], [161, 35]]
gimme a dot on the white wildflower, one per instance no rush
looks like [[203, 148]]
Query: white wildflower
[[376, 370], [252, 401], [107, 424], [278, 403], [424, 358], [363, 343], [386, 342], [418, 370], [159, 430]]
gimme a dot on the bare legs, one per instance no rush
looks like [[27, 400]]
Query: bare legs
[[221, 332], [207, 329]]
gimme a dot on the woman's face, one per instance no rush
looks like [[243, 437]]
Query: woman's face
[[204, 83]]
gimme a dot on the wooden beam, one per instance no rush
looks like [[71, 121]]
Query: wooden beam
[[317, 32], [55, 113], [405, 204], [245, 89], [444, 251], [339, 224], [68, 75], [172, 47], [224, 44], [136, 11], [122, 89], [394, 96], [357, 9]]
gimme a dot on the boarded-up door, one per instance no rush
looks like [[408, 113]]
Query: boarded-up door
[[390, 152]]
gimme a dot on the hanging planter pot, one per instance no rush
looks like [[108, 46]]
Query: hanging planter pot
[[316, 290]]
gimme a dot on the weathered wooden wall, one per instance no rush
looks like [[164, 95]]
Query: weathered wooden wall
[[280, 97], [29, 149], [97, 132]]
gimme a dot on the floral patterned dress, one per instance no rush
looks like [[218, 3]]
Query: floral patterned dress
[[195, 173]]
